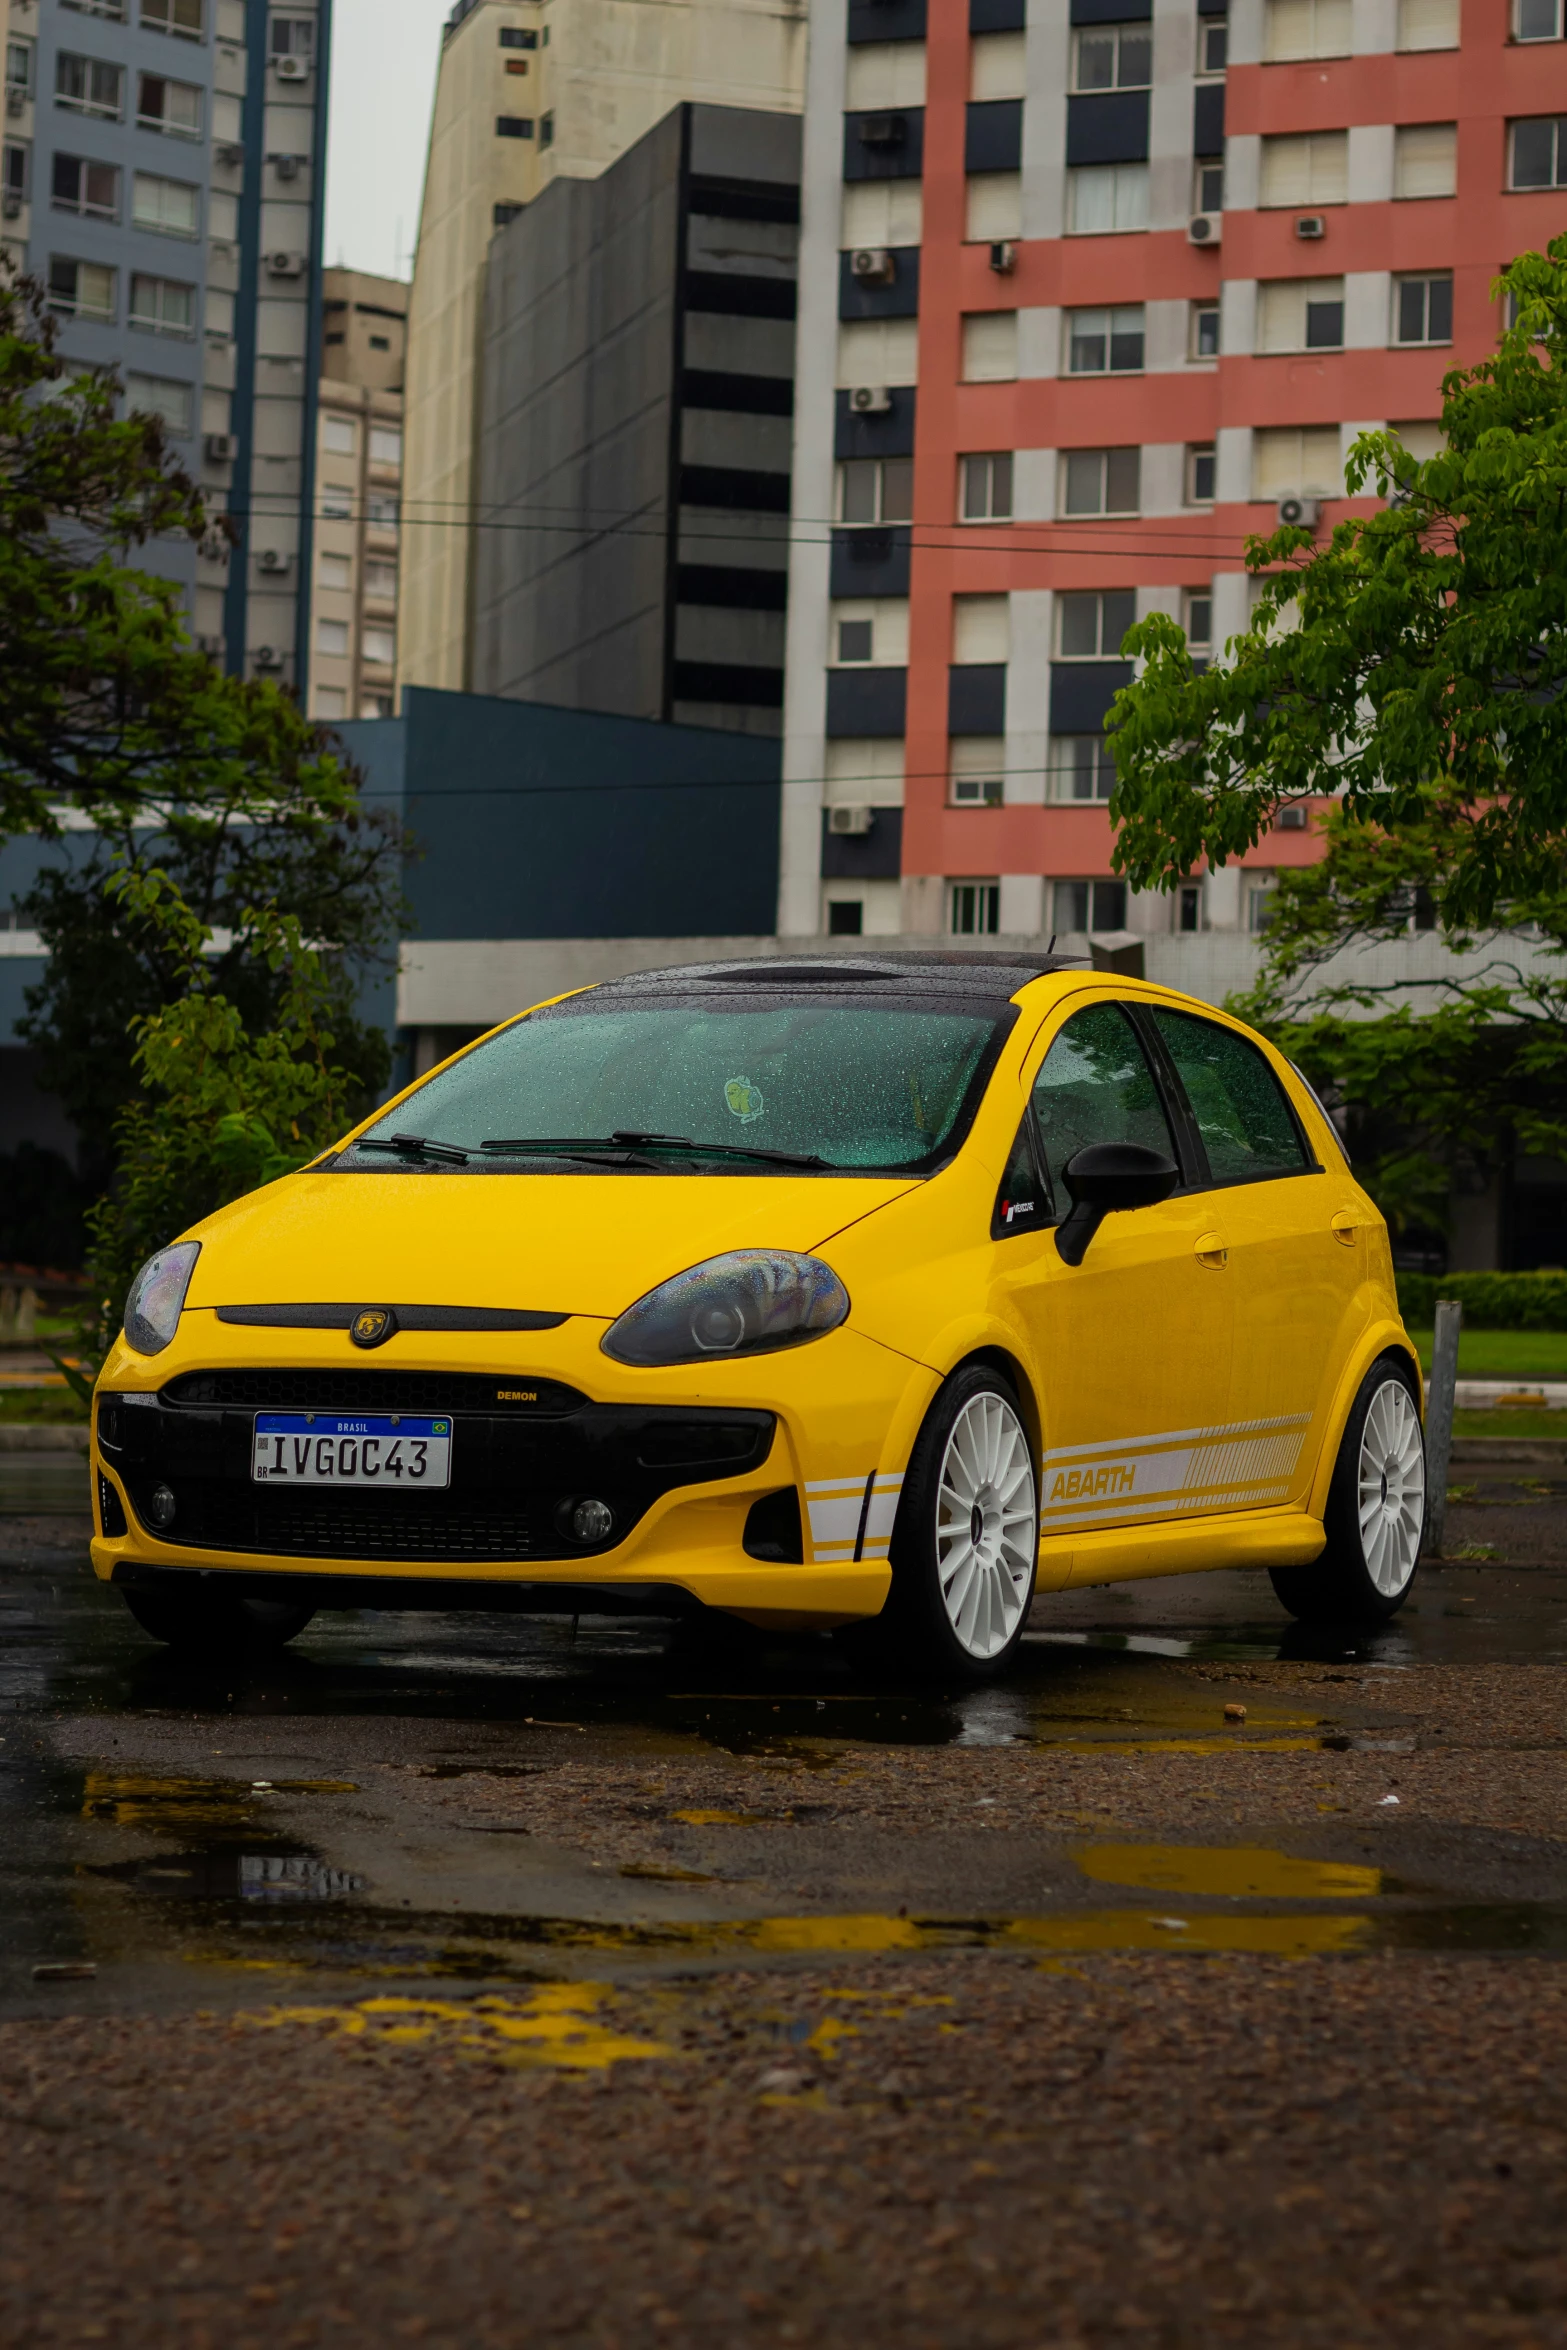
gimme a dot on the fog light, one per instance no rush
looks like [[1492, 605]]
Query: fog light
[[592, 1521], [160, 1505]]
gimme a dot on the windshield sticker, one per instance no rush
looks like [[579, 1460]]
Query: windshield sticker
[[744, 1099]]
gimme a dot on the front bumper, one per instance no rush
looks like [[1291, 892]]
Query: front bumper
[[682, 1457]]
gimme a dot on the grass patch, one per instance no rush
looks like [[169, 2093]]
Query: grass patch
[[1504, 1354], [1512, 1422]]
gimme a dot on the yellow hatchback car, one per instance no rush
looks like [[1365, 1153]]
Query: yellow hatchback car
[[812, 1291]]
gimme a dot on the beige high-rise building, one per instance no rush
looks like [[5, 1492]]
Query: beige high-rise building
[[530, 90], [359, 458]]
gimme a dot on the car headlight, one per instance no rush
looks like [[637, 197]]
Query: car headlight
[[152, 1308], [750, 1301]]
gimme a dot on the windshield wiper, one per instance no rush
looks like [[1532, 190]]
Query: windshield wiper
[[634, 1139], [417, 1146]]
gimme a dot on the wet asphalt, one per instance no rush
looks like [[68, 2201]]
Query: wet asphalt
[[1107, 2003]]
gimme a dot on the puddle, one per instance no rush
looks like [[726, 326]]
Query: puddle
[[1236, 1872], [558, 2026], [142, 1800], [222, 1875]]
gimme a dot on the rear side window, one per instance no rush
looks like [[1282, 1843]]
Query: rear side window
[[1239, 1105], [1096, 1086]]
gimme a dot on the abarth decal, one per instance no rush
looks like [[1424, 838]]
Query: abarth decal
[[1247, 1464], [851, 1517]]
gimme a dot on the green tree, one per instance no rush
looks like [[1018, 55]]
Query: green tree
[[1424, 644]]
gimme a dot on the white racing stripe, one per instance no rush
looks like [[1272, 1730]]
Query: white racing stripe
[[1244, 1465], [851, 1517]]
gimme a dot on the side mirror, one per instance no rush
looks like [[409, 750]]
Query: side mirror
[[1105, 1179]]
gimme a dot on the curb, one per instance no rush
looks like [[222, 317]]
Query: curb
[[45, 1438]]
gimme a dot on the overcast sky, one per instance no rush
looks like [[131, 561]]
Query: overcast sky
[[384, 55]]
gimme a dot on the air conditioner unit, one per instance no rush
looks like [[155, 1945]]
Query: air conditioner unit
[[286, 166], [851, 822], [1292, 818], [292, 69], [285, 265], [232, 154], [272, 561], [13, 205], [872, 266], [1205, 228], [1298, 512], [883, 130], [267, 657], [212, 646], [220, 448], [1311, 225], [1003, 257], [870, 400]]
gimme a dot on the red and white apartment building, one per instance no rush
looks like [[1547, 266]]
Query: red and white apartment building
[[1088, 290]]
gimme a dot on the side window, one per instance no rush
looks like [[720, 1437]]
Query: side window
[[1023, 1203], [1238, 1103], [1096, 1086]]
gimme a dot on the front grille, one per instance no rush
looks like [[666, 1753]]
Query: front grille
[[371, 1391], [316, 1524]]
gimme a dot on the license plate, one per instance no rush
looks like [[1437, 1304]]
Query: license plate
[[351, 1448]]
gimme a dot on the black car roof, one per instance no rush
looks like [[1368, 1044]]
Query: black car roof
[[923, 972]]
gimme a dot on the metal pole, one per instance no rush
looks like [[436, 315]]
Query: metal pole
[[1439, 1419]]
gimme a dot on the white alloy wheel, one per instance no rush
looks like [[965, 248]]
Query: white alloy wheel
[[987, 1527], [1391, 1488]]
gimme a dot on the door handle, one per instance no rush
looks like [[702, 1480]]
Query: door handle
[[1344, 1226], [1210, 1250]]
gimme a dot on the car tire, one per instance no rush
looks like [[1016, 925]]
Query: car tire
[[965, 1546], [1375, 1518], [204, 1622]]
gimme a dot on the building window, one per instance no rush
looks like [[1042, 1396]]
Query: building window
[[1259, 902], [1107, 199], [1100, 481], [1306, 28], [547, 130], [1202, 331], [162, 305], [1081, 768], [1423, 309], [1112, 57], [183, 17], [514, 126], [19, 71], [1428, 24], [973, 908], [1197, 620], [1088, 905], [876, 489], [518, 37], [340, 435], [1425, 159], [92, 189], [1537, 20], [381, 582], [1301, 314], [1188, 906], [172, 208], [516, 65], [990, 347], [332, 637], [14, 158], [386, 445], [81, 289], [500, 214], [856, 642], [1289, 459], [1202, 473], [1105, 342], [1208, 185], [379, 645], [1304, 169], [158, 395], [992, 205], [171, 107], [114, 10], [86, 85], [335, 571], [845, 917], [292, 36], [977, 766], [379, 342], [1538, 156], [330, 701], [381, 515], [873, 633], [1089, 627], [1213, 44], [986, 487], [337, 502]]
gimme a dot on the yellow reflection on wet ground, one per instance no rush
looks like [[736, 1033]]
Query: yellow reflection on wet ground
[[135, 1799], [557, 2025], [1300, 1936], [1237, 1872]]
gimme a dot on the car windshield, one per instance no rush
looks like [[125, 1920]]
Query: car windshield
[[861, 1088]]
